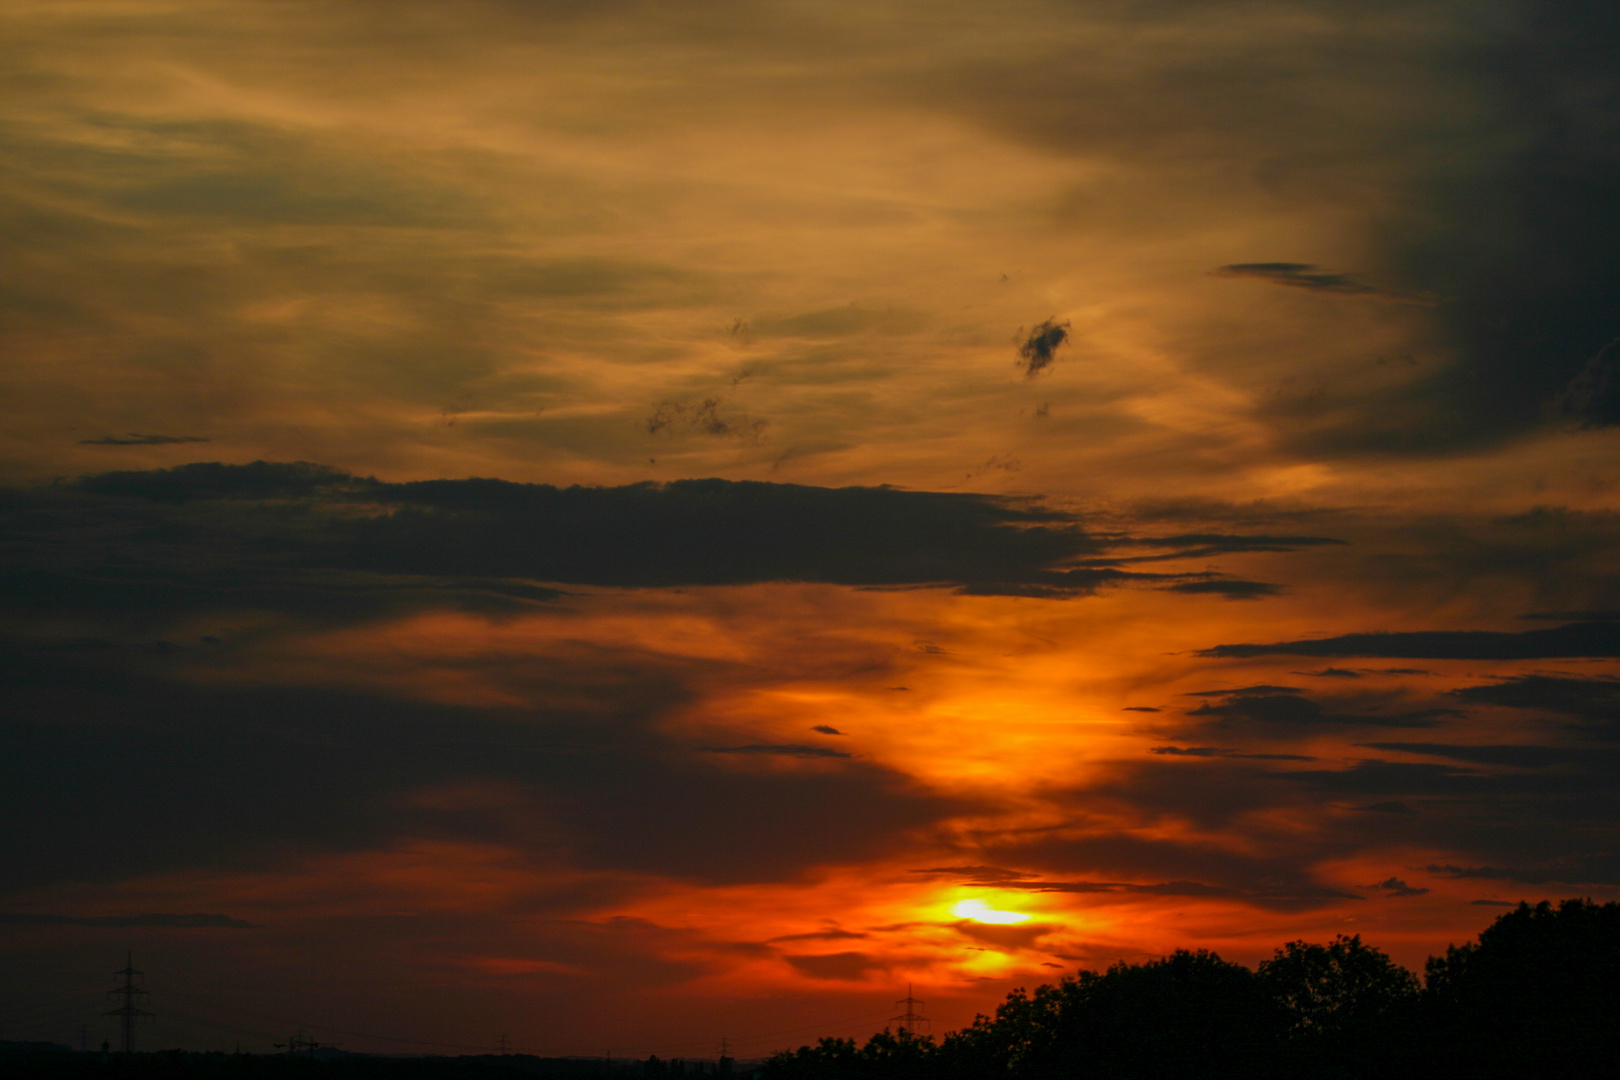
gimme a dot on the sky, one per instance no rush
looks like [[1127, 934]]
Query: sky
[[622, 524]]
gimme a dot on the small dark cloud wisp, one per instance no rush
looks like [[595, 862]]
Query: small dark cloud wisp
[[976, 875], [1590, 699], [1228, 588], [151, 919], [1593, 396], [1266, 708], [1584, 639], [778, 750], [1391, 807], [1588, 870], [1222, 752], [1395, 887], [705, 418], [136, 439], [1312, 278], [835, 967], [1038, 349]]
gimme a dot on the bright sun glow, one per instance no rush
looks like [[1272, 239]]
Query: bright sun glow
[[979, 911]]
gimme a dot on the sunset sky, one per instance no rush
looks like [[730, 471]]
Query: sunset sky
[[625, 523]]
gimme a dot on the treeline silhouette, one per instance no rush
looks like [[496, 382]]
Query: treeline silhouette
[[1538, 995]]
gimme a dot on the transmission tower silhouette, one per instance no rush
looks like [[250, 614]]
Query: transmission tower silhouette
[[909, 1019], [128, 1011], [299, 1042]]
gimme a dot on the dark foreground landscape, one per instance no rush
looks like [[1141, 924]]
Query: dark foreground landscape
[[1537, 995]]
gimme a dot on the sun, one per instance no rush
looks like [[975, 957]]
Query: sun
[[979, 911]]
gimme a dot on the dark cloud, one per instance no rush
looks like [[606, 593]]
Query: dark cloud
[[169, 774], [1258, 688], [1013, 879], [1214, 793], [1281, 882], [1588, 870], [1292, 710], [1312, 279], [705, 418], [983, 875], [1331, 673], [778, 750], [835, 322], [313, 538], [1519, 755], [1556, 808], [181, 922], [1387, 808], [1593, 699], [285, 534], [1521, 242], [839, 967], [1005, 936], [1394, 886], [209, 480], [134, 439], [1374, 777], [1206, 545], [824, 935], [1596, 639], [1038, 349], [1590, 615], [1230, 589], [1222, 752], [1593, 396], [826, 729]]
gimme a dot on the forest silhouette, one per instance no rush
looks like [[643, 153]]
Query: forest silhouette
[[1537, 995]]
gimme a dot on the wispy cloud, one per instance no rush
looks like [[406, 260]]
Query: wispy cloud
[[1313, 279], [173, 922], [134, 439], [778, 750]]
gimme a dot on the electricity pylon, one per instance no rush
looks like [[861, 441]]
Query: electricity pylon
[[128, 1011], [909, 1019]]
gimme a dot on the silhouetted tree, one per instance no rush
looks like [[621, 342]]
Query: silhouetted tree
[[1190, 1015], [1537, 995], [902, 1056], [1348, 1007]]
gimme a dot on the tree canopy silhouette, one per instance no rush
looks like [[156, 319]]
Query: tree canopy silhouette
[[1536, 996]]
